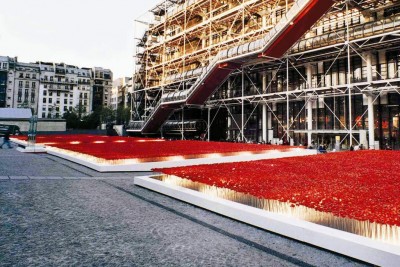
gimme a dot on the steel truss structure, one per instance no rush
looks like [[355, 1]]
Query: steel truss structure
[[340, 80]]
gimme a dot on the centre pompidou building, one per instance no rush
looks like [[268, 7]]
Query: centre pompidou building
[[303, 71]]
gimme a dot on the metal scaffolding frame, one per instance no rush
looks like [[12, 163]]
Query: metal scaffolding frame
[[348, 30], [380, 33]]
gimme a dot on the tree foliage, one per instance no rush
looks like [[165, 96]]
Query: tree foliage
[[91, 121]]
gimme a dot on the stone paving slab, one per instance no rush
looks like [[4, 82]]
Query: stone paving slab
[[72, 178], [45, 178], [4, 178], [19, 177]]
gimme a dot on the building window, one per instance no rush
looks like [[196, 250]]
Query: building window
[[19, 99], [44, 100], [50, 100], [58, 93], [26, 84], [27, 75], [45, 86], [65, 101], [33, 76], [20, 84], [26, 94], [5, 66], [45, 92], [32, 97], [50, 93], [51, 78], [43, 115], [33, 84], [21, 75]]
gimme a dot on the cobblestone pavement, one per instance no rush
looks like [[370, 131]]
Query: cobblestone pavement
[[57, 213]]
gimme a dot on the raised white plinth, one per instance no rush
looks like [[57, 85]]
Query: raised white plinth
[[24, 148], [177, 161], [348, 244], [32, 149]]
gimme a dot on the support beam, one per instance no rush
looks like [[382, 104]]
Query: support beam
[[371, 122], [208, 123], [242, 126], [264, 123], [349, 74], [287, 100], [183, 122], [264, 109], [309, 121]]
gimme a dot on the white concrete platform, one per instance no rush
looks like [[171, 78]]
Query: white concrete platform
[[134, 166], [24, 148], [344, 243], [19, 142], [32, 149]]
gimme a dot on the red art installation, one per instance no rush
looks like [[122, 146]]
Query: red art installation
[[360, 185], [119, 148]]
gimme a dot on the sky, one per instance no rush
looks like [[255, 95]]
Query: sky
[[84, 33]]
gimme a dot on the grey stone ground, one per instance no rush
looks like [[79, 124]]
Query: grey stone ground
[[57, 213]]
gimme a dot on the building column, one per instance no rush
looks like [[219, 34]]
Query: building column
[[383, 61], [264, 123], [264, 110], [368, 62], [309, 120], [371, 122], [309, 75], [208, 124], [229, 134]]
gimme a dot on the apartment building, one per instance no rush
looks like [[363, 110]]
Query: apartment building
[[4, 67], [295, 71], [51, 89], [19, 84], [102, 87], [121, 92], [64, 88]]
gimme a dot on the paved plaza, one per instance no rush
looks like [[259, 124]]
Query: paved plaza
[[57, 213]]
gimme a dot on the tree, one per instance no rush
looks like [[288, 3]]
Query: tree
[[123, 114], [106, 114], [72, 120]]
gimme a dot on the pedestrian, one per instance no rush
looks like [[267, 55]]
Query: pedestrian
[[6, 140]]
